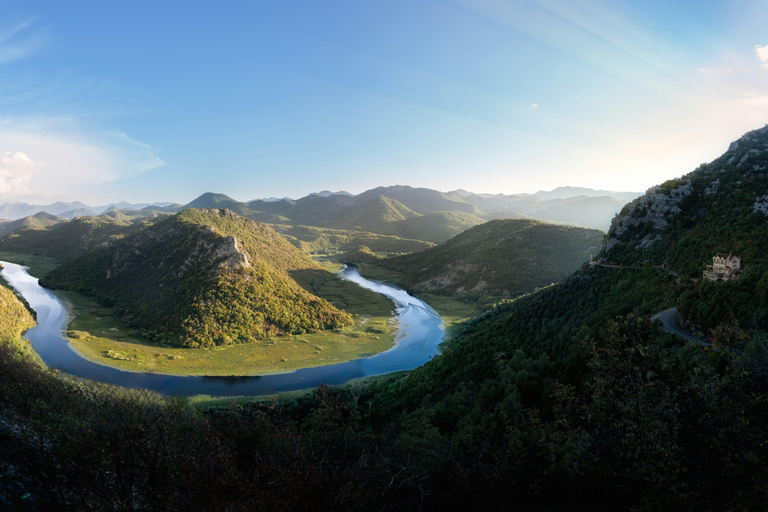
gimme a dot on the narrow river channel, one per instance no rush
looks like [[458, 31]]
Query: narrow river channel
[[420, 332]]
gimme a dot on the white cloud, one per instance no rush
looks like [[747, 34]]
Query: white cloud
[[74, 156], [761, 52], [16, 169], [534, 105]]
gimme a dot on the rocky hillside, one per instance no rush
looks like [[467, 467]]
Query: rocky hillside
[[721, 207], [200, 278]]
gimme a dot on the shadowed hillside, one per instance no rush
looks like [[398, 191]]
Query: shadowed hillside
[[500, 259]]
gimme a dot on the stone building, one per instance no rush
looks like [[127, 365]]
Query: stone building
[[724, 266]]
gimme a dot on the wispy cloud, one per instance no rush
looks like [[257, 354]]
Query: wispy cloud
[[73, 156], [17, 42], [761, 53]]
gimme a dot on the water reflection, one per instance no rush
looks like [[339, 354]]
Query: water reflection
[[420, 332]]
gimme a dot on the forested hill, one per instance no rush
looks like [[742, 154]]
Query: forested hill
[[721, 207], [200, 278], [572, 392], [500, 259]]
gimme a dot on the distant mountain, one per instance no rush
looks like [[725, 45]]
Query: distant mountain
[[569, 192], [79, 212], [446, 214], [37, 222], [420, 200], [15, 211], [201, 278], [123, 205], [327, 193], [65, 240]]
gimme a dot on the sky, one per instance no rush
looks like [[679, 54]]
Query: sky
[[163, 101]]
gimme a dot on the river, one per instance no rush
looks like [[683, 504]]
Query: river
[[420, 331]]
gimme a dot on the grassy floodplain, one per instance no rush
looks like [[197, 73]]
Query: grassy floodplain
[[100, 336], [38, 265]]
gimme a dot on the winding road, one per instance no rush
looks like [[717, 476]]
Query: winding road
[[668, 319]]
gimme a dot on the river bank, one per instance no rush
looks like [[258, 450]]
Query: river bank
[[419, 335]]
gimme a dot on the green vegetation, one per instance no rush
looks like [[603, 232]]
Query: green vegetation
[[66, 240], [495, 261], [38, 266], [39, 221], [14, 317], [718, 211], [564, 398], [203, 278], [322, 241], [100, 335]]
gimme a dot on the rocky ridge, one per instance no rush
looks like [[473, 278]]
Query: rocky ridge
[[733, 187]]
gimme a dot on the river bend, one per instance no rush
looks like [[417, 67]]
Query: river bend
[[420, 332]]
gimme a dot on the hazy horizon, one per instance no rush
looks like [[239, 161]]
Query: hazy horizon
[[147, 102]]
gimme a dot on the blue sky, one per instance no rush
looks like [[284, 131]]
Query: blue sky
[[162, 101]]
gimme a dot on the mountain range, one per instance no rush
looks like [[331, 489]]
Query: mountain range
[[398, 217], [567, 398]]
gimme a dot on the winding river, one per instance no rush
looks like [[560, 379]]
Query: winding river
[[421, 330]]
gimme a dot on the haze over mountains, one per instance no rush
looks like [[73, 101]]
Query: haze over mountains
[[397, 210]]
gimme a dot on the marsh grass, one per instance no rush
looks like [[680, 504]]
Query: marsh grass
[[38, 265], [101, 337]]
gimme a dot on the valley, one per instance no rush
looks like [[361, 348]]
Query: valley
[[358, 256], [553, 376]]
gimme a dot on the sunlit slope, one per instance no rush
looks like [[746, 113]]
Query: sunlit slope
[[203, 277], [14, 317], [418, 213], [681, 223]]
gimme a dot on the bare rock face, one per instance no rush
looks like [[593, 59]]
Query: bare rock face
[[652, 210], [643, 221], [234, 253]]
